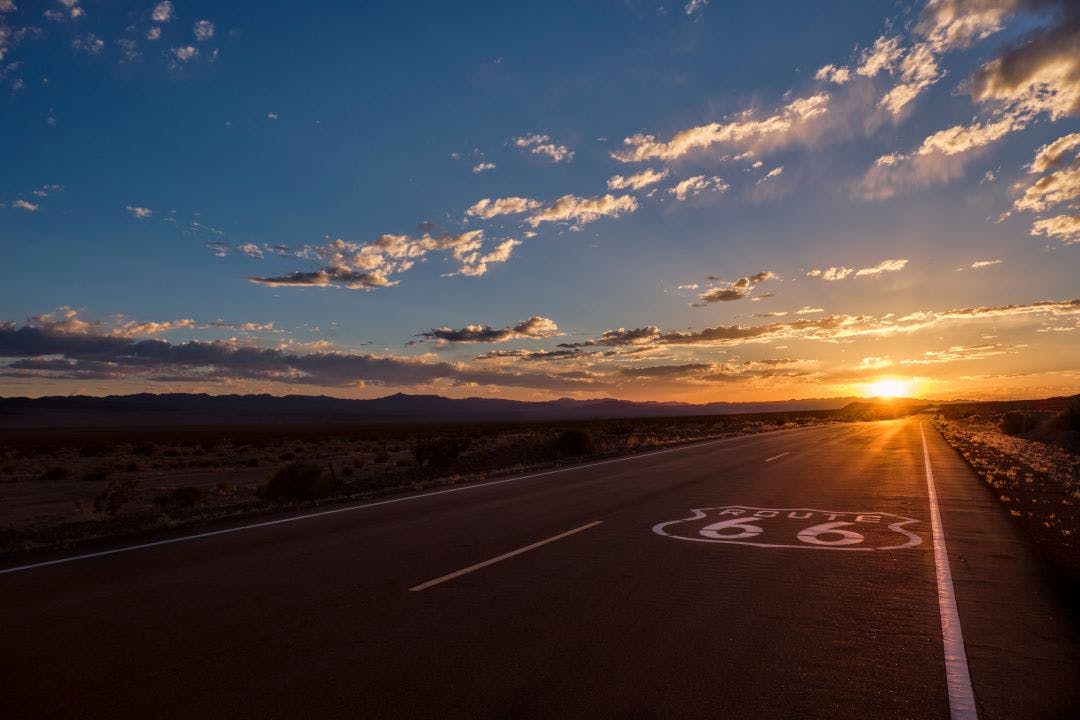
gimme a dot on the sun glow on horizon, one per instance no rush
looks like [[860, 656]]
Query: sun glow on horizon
[[889, 388]]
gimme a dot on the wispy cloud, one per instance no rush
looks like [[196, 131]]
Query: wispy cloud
[[581, 210], [543, 145], [693, 186], [140, 213], [487, 208]]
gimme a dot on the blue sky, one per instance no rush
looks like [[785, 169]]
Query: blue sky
[[309, 184]]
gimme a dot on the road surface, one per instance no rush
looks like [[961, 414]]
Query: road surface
[[794, 574]]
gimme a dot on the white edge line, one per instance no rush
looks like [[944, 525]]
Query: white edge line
[[499, 558], [307, 516], [957, 675], [777, 457]]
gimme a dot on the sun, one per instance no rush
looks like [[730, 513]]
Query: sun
[[888, 388]]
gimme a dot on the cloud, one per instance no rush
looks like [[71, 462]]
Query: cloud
[[25, 205], [833, 74], [696, 185], [743, 133], [941, 157], [775, 172], [163, 12], [840, 273], [140, 213], [47, 352], [1053, 189], [184, 53], [695, 6], [918, 71], [638, 336], [153, 33], [882, 267], [984, 263], [882, 57], [736, 290], [1063, 227], [831, 274], [955, 24], [636, 181], [487, 208], [204, 30], [483, 167], [582, 210], [542, 145], [1051, 156], [960, 352], [534, 327], [833, 328], [358, 266], [1041, 74], [89, 43]]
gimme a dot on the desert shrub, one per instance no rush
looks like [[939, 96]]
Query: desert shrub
[[439, 451], [186, 496], [1069, 418], [143, 449], [93, 450], [56, 473], [1015, 422], [575, 442], [117, 494], [299, 481], [99, 473]]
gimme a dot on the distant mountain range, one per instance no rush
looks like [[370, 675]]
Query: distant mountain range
[[148, 409]]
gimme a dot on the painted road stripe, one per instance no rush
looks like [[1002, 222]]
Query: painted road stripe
[[961, 697], [350, 508], [777, 457], [500, 558]]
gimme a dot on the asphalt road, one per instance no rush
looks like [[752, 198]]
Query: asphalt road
[[608, 597]]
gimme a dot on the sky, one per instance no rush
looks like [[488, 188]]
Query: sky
[[692, 201]]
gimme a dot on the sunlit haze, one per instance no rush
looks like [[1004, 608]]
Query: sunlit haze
[[694, 202]]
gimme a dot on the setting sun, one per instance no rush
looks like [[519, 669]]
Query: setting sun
[[890, 388]]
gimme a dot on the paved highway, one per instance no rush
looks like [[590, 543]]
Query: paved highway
[[844, 571]]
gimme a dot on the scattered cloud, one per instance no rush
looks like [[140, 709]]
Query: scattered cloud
[[1057, 187], [88, 43], [735, 290], [840, 273], [1052, 155], [636, 181], [833, 328], [25, 205], [184, 53], [1065, 228], [695, 6], [204, 30], [543, 145], [534, 327], [693, 186], [370, 266], [581, 210], [163, 12], [483, 167], [882, 267], [984, 263], [487, 208], [833, 74], [745, 132], [140, 213]]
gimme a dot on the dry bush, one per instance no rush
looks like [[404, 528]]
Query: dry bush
[[299, 481]]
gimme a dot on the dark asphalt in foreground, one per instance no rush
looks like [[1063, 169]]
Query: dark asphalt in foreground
[[620, 619]]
